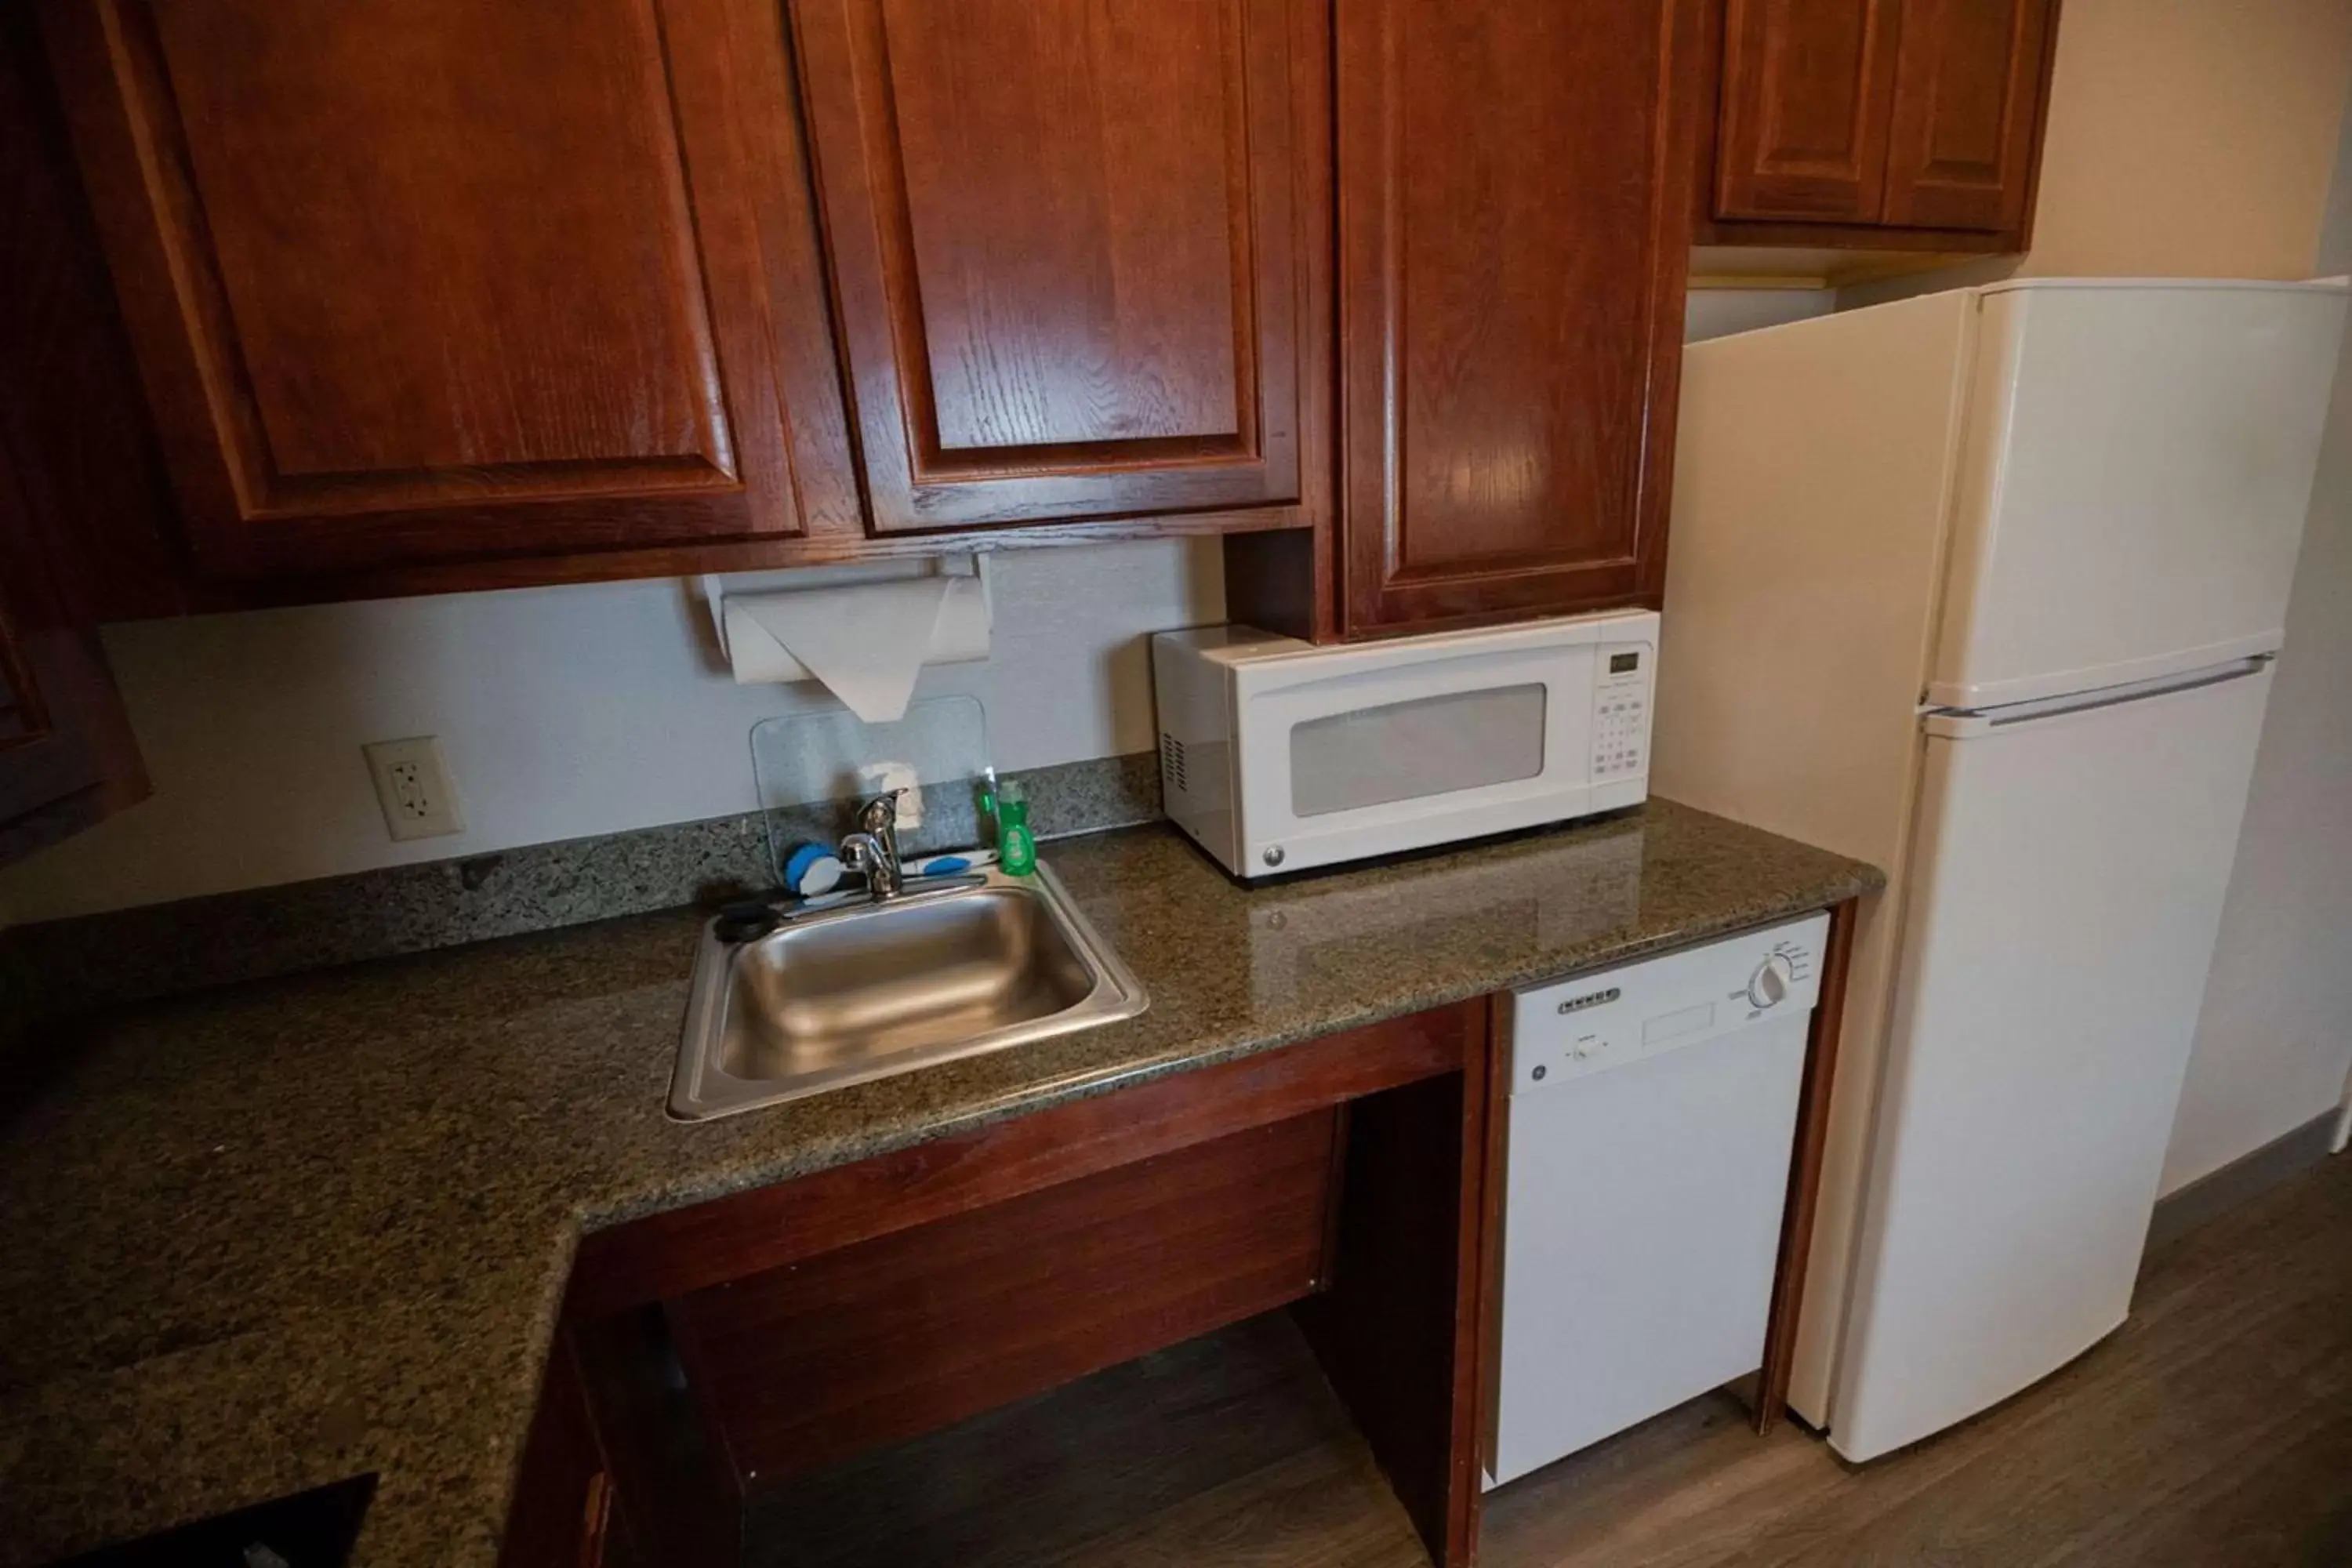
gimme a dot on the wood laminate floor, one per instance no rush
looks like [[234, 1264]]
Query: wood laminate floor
[[2215, 1428]]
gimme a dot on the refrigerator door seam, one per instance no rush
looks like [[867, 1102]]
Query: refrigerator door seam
[[1961, 723]]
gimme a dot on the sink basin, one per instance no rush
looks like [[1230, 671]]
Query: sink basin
[[864, 990]]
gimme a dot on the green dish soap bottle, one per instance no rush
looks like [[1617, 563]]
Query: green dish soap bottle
[[1017, 847]]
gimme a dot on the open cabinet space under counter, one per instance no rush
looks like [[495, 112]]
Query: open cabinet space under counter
[[812, 1324]]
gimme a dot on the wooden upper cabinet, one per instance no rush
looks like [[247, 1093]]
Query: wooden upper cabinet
[[1868, 119], [1808, 95], [1968, 113], [1077, 250], [67, 755], [418, 280], [1514, 202]]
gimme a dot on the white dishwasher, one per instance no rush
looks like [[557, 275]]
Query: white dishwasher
[[1653, 1118]]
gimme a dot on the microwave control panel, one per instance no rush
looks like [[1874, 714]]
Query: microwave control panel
[[1620, 710]]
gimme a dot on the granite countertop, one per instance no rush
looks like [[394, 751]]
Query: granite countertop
[[272, 1236]]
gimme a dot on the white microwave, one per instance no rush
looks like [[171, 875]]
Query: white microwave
[[1277, 755]]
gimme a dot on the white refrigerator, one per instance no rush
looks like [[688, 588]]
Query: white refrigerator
[[1983, 587]]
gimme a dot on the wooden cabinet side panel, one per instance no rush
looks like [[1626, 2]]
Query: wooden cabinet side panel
[[66, 755], [1966, 141], [1805, 1170], [872, 1343], [563, 1514], [1808, 90], [676, 1500], [72, 412], [68, 758], [1402, 1331], [1512, 255]]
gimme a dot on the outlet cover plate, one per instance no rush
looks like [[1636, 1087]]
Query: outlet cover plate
[[413, 785]]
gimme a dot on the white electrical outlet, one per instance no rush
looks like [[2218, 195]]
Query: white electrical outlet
[[412, 785]]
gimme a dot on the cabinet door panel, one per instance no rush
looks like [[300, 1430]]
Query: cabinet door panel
[[416, 280], [1968, 110], [1076, 248], [1808, 88], [1515, 204]]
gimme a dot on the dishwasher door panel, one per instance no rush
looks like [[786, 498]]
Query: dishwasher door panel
[[1642, 1228]]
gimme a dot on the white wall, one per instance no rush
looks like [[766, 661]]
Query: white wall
[[562, 712], [2275, 1041], [2190, 138]]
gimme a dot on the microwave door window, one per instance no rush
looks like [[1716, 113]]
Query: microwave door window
[[1413, 750]]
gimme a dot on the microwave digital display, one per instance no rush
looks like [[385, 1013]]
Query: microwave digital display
[[1624, 663]]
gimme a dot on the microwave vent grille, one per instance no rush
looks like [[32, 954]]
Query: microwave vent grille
[[1172, 764]]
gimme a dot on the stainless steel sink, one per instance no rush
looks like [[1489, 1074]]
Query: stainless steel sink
[[864, 990]]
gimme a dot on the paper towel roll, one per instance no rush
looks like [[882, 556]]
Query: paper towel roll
[[866, 642]]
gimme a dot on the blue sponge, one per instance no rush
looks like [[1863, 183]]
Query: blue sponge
[[810, 869]]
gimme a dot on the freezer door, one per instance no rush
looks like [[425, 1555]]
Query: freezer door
[[2069, 880], [2136, 464]]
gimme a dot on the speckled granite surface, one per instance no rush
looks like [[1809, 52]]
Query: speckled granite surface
[[162, 950], [265, 1238]]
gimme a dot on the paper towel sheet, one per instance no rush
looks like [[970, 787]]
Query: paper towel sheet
[[866, 643]]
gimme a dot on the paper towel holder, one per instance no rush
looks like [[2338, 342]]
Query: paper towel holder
[[843, 575]]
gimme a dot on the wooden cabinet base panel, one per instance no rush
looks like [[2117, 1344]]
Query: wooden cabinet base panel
[[671, 1255], [1957, 242], [156, 595], [817, 1362]]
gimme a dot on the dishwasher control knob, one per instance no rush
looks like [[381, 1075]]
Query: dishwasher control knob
[[1769, 985]]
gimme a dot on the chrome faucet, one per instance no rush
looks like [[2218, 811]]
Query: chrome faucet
[[873, 850]]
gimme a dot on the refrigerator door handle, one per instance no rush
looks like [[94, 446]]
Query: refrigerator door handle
[[1964, 723]]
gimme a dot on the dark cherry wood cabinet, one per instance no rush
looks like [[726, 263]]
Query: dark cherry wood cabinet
[[457, 295], [440, 295], [67, 755], [454, 294], [1968, 105], [1888, 123], [1078, 249], [567, 1506], [1515, 210], [1808, 94], [432, 281]]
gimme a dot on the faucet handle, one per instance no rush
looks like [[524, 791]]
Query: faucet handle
[[873, 856], [862, 854]]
